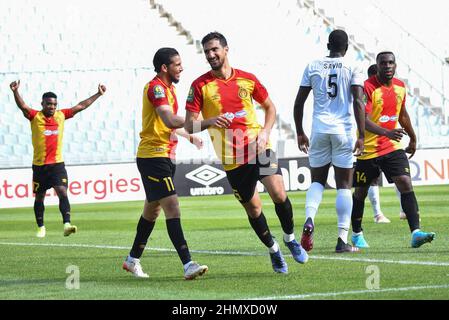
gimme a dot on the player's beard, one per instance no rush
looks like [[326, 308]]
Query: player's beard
[[216, 66], [173, 79]]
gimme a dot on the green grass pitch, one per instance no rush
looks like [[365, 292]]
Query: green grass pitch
[[219, 235]]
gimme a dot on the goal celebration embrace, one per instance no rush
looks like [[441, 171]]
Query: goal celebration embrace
[[273, 150]]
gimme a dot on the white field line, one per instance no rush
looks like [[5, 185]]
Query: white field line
[[232, 253], [341, 293]]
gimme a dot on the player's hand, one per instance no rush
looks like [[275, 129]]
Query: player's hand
[[359, 147], [262, 140], [396, 134], [196, 141], [411, 149], [303, 143], [101, 89], [15, 85], [221, 121]]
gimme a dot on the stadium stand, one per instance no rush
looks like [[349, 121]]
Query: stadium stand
[[88, 42]]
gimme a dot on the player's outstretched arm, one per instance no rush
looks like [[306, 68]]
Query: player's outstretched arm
[[196, 141], [404, 121], [298, 114], [19, 101], [86, 103]]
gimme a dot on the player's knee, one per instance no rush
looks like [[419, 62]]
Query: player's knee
[[279, 197], [403, 183], [172, 211], [253, 209], [360, 193], [39, 197], [151, 216]]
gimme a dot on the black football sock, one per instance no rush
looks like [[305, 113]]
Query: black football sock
[[358, 207], [39, 209], [176, 235], [144, 228], [260, 226], [64, 208], [284, 212], [410, 207]]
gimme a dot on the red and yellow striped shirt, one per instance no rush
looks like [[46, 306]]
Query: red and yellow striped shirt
[[47, 135], [157, 140], [213, 96], [383, 105]]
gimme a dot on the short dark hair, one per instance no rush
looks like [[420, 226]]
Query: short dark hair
[[384, 52], [49, 95], [372, 70], [214, 36], [338, 40], [163, 56]]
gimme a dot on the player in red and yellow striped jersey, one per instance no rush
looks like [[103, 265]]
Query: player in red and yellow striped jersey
[[47, 128], [385, 108], [224, 97], [155, 161]]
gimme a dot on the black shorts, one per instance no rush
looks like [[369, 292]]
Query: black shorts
[[157, 177], [243, 179], [49, 176], [393, 164]]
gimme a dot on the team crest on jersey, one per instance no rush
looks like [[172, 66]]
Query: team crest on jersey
[[243, 93], [159, 92], [190, 95]]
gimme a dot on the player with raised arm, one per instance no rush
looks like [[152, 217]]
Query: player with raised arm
[[47, 130]]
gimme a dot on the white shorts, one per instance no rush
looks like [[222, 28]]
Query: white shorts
[[331, 148]]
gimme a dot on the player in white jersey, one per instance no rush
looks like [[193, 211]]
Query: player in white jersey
[[338, 96]]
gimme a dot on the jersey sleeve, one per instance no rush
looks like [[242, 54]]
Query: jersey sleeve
[[194, 101], [306, 81], [157, 95], [68, 113], [368, 94], [358, 77], [260, 93], [32, 114]]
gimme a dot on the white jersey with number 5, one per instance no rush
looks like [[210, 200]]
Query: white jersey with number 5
[[331, 80]]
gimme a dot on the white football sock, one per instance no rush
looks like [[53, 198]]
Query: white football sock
[[374, 198], [398, 193], [274, 248], [187, 265], [343, 204], [289, 237], [343, 234], [313, 199]]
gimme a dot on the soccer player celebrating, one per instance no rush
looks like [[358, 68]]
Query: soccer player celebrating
[[155, 161], [386, 96], [224, 97], [336, 85], [47, 129]]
